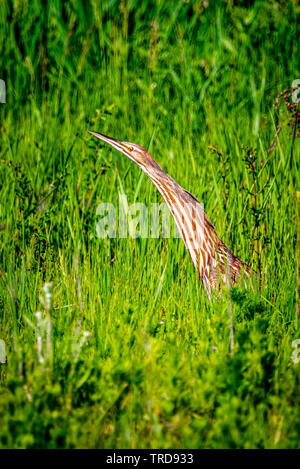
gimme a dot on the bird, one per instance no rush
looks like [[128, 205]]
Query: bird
[[214, 262]]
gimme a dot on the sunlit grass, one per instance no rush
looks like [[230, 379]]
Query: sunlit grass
[[137, 356]]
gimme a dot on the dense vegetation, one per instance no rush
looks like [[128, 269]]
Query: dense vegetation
[[113, 342]]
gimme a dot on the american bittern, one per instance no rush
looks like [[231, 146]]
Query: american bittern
[[214, 261]]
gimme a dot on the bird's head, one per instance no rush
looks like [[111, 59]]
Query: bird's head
[[135, 152]]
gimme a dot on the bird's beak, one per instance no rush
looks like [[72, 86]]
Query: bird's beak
[[117, 144]]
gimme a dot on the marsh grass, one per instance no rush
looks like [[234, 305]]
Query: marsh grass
[[134, 354]]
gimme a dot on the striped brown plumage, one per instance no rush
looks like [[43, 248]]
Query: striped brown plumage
[[211, 258]]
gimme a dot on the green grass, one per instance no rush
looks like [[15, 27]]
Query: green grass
[[176, 77]]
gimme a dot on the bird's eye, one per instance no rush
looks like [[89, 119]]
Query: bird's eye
[[129, 148]]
